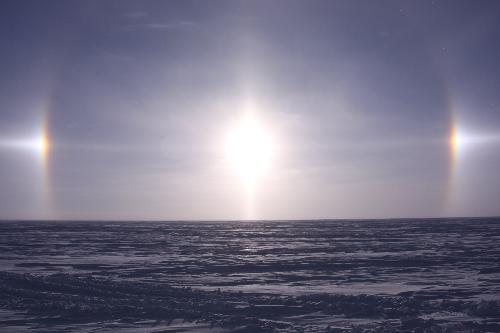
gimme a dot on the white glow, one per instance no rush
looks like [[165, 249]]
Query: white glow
[[250, 149], [39, 144], [458, 140], [461, 139]]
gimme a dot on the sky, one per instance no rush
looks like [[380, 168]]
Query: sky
[[207, 110]]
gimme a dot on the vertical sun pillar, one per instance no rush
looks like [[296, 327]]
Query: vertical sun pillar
[[43, 146], [457, 144]]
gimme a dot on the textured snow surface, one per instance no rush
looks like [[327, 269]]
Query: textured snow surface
[[439, 275]]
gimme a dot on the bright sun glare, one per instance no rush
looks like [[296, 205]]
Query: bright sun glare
[[459, 140], [39, 145], [249, 149], [456, 141]]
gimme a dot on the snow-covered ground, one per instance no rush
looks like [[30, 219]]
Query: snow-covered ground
[[311, 276]]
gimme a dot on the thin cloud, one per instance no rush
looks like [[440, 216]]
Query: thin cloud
[[179, 25]]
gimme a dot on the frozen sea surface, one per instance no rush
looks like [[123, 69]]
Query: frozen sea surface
[[435, 275]]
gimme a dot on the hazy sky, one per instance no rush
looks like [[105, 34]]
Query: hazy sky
[[359, 98]]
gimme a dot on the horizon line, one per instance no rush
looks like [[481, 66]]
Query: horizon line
[[252, 220]]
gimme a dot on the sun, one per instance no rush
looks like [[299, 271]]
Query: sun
[[249, 149]]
